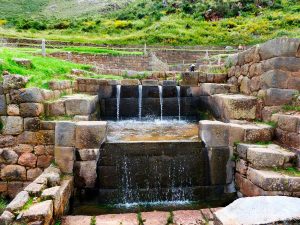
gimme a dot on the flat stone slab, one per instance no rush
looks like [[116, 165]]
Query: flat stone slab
[[260, 210], [188, 217], [155, 218], [117, 219], [76, 220]]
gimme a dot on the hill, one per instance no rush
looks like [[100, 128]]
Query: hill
[[155, 22]]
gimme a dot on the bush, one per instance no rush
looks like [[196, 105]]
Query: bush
[[3, 22], [62, 25], [122, 24]]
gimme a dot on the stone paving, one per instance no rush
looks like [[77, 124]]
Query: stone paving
[[179, 217]]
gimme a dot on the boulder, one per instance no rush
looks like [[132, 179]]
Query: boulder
[[13, 110], [274, 79], [27, 95], [245, 86], [290, 64], [275, 96], [90, 134], [7, 218], [23, 62], [13, 82], [3, 106], [8, 156], [264, 210], [214, 133], [28, 160], [13, 172], [80, 104], [65, 134], [35, 189], [44, 161], [18, 202], [32, 174], [12, 125], [31, 109], [42, 211]]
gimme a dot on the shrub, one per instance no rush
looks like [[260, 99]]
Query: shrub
[[62, 25], [122, 24], [3, 22]]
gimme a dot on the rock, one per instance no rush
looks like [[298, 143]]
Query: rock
[[241, 167], [86, 173], [274, 79], [33, 173], [7, 218], [245, 86], [275, 96], [65, 192], [214, 133], [23, 62], [26, 95], [289, 123], [14, 173], [13, 110], [18, 202], [231, 60], [56, 108], [80, 104], [124, 219], [150, 82], [129, 82], [190, 78], [90, 134], [13, 82], [35, 189], [28, 160], [65, 134], [232, 80], [212, 88], [14, 187], [22, 148], [3, 107], [12, 125], [7, 141], [32, 123], [290, 64], [8, 156], [81, 118], [47, 94], [169, 83], [64, 153], [42, 211], [54, 194], [273, 181], [88, 154], [235, 106], [279, 47], [186, 217], [31, 109], [155, 218], [48, 125], [77, 220], [264, 210], [44, 161], [255, 84]]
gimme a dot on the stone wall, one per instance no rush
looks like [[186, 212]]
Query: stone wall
[[270, 71]]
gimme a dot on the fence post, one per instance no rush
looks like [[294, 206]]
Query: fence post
[[44, 47]]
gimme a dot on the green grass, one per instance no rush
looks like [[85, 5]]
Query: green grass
[[28, 204], [93, 220], [291, 108], [290, 171], [102, 51], [264, 143], [270, 123], [43, 70], [3, 204]]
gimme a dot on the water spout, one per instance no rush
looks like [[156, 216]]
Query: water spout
[[140, 101], [161, 102], [118, 101], [178, 100]]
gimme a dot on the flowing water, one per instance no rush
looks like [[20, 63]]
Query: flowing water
[[161, 101], [140, 101], [178, 99], [118, 101]]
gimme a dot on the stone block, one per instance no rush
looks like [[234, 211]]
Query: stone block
[[8, 156], [31, 109], [32, 123], [150, 82], [275, 96], [211, 88], [42, 211], [32, 174], [18, 202], [188, 217], [13, 82], [129, 82], [7, 141], [214, 133], [90, 134], [35, 189], [235, 106], [88, 154], [47, 94], [170, 83], [241, 167], [290, 64], [28, 160], [273, 181], [124, 219], [14, 173], [76, 220], [44, 161], [86, 173], [47, 125], [14, 187], [66, 166], [3, 106], [190, 78], [12, 125], [65, 192], [245, 86], [65, 134], [287, 47], [7, 218], [289, 123], [56, 108], [54, 194], [64, 153], [78, 118], [105, 91], [13, 110], [80, 104], [26, 95], [274, 79], [155, 218]]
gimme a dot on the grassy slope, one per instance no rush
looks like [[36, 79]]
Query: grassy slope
[[44, 68]]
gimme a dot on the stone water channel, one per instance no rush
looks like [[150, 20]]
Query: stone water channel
[[152, 157]]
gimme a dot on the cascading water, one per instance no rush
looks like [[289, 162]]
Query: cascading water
[[118, 101], [178, 100], [140, 101], [161, 101]]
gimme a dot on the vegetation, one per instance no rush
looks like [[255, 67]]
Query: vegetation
[[43, 70], [102, 51], [170, 218], [290, 171], [291, 108], [93, 220], [28, 204], [181, 22], [3, 204]]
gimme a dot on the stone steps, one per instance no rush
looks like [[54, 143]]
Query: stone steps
[[179, 217], [234, 107], [215, 88]]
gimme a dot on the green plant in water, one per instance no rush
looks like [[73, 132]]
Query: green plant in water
[[93, 220]]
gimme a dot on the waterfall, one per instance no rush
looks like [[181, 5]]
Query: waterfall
[[161, 101], [118, 101], [178, 100], [140, 100]]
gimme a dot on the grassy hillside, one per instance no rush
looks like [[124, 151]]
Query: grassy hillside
[[180, 22]]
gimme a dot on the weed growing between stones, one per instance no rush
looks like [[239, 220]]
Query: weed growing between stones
[[3, 204], [57, 222], [291, 171], [93, 220], [28, 204], [140, 219], [170, 218], [264, 142], [270, 123], [291, 108]]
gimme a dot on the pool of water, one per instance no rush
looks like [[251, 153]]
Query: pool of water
[[152, 130]]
